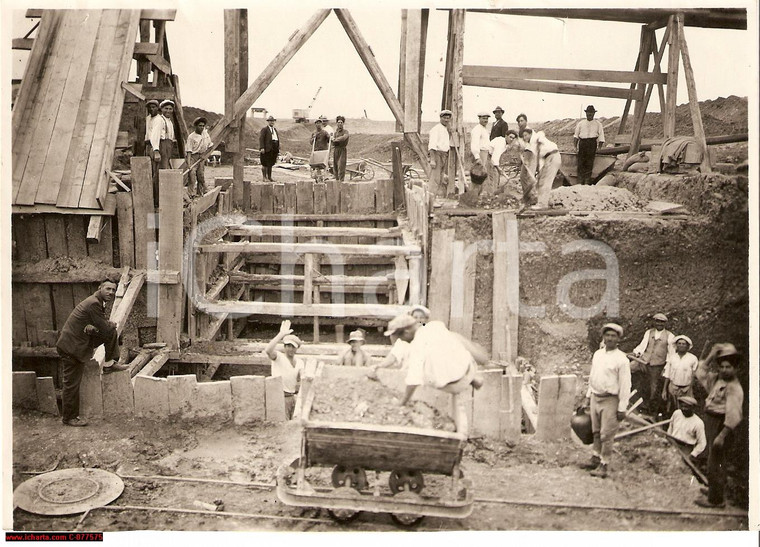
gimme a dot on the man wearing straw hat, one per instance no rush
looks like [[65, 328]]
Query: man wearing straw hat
[[679, 373], [269, 147], [355, 356], [609, 389], [286, 364], [198, 143], [588, 136]]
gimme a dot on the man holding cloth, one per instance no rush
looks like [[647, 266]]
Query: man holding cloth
[[269, 147], [439, 143], [588, 136], [608, 392]]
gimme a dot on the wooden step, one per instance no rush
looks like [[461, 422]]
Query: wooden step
[[340, 249], [249, 230], [242, 308]]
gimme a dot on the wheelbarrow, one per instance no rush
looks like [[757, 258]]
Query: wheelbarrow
[[319, 161], [357, 170]]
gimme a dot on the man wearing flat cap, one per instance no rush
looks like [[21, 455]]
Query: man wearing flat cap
[[679, 373], [162, 141], [340, 145], [153, 113], [651, 354], [609, 389], [198, 143], [480, 144], [286, 364], [588, 136], [269, 148], [439, 142], [687, 428]]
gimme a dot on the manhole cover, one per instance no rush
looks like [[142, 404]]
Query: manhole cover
[[68, 491]]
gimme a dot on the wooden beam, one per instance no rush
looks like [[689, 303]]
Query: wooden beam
[[125, 219], [254, 91], [640, 106], [402, 65], [341, 217], [170, 255], [22, 274], [94, 228], [640, 76], [378, 311], [231, 76], [120, 314], [321, 248], [626, 108], [160, 63], [139, 362], [34, 13], [691, 87], [296, 280], [506, 285], [411, 94], [440, 275], [674, 50], [24, 44], [145, 48], [158, 14], [258, 230], [554, 87], [155, 364]]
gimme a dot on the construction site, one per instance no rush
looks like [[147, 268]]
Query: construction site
[[194, 432]]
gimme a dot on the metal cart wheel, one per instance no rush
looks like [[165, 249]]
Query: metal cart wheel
[[412, 173], [343, 516], [366, 171], [407, 520], [406, 481], [351, 476]]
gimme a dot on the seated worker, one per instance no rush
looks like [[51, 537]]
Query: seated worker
[[420, 313], [444, 360], [687, 428], [355, 356], [285, 364]]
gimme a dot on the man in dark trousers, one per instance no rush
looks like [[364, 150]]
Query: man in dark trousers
[[723, 413], [85, 329], [269, 148], [652, 353], [340, 143], [589, 135]]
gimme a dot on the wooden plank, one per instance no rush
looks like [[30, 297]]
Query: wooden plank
[[645, 50], [72, 179], [30, 238], [170, 256], [142, 196], [384, 196], [553, 87], [23, 44], [440, 275], [397, 178], [305, 197], [38, 311], [246, 100], [63, 303], [377, 311], [691, 88], [641, 76], [71, 102], [267, 201], [402, 65], [207, 200], [411, 94], [401, 276], [320, 248], [94, 227], [18, 315], [231, 76], [308, 269], [289, 198], [674, 47], [333, 198], [278, 198], [55, 234], [462, 288], [158, 14], [103, 250], [291, 279], [506, 285], [320, 198], [30, 174], [145, 48], [154, 365], [120, 314], [125, 219], [259, 230]]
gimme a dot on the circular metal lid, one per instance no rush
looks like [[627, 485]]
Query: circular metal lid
[[68, 491]]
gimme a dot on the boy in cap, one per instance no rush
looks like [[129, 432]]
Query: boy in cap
[[588, 136], [198, 143], [269, 148], [679, 373], [439, 142], [687, 428], [723, 413], [652, 352], [420, 313], [153, 111], [286, 364], [355, 356], [609, 389], [340, 143]]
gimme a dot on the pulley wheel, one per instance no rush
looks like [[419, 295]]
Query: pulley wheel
[[405, 480], [341, 476]]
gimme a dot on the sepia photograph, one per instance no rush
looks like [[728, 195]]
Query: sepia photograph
[[487, 267]]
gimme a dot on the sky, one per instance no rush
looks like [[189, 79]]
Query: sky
[[722, 59]]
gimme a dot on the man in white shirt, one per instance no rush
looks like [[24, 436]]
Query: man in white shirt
[[680, 367], [153, 112], [162, 142], [439, 143], [285, 363], [480, 144], [588, 136], [652, 352], [542, 161], [687, 428], [198, 143], [608, 392]]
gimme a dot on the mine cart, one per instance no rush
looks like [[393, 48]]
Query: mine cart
[[407, 472]]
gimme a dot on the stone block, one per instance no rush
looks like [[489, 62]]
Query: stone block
[[213, 399], [46, 399], [118, 394], [24, 389], [248, 398], [510, 408], [275, 400], [151, 397], [485, 405], [182, 390], [91, 391]]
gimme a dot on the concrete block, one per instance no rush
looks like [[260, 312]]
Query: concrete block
[[91, 391], [510, 408], [213, 399], [118, 394], [556, 396], [151, 397], [25, 389], [248, 398], [275, 400], [485, 405], [182, 390], [46, 400]]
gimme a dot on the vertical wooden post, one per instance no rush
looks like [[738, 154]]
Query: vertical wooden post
[[411, 96], [398, 175], [232, 57], [691, 87], [506, 285], [640, 106], [423, 52], [456, 41], [414, 280], [170, 256], [126, 228], [674, 49], [627, 107], [402, 66]]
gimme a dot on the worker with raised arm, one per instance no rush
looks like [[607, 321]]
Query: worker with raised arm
[[286, 364]]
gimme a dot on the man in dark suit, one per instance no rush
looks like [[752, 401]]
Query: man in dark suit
[[269, 148], [85, 329]]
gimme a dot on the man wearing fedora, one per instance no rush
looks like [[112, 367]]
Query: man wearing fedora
[[439, 142], [723, 414], [589, 135], [355, 356], [269, 148], [286, 364], [198, 143]]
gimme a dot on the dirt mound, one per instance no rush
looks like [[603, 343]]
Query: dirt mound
[[595, 198], [370, 402]]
